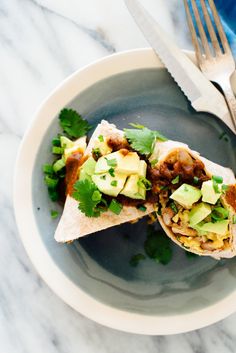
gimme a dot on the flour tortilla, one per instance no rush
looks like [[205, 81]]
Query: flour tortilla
[[74, 224], [161, 153]]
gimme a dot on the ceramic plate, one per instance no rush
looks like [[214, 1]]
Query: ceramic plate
[[93, 274]]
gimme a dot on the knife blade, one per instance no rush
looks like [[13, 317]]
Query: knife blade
[[204, 97]]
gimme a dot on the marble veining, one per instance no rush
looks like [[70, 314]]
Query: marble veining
[[42, 42]]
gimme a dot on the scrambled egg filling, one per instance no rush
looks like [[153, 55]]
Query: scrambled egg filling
[[195, 239], [217, 241]]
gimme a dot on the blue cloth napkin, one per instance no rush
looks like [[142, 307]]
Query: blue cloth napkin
[[227, 11]]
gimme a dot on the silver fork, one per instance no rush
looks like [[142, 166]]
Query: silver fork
[[215, 62]]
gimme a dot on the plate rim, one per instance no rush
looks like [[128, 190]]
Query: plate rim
[[60, 284]]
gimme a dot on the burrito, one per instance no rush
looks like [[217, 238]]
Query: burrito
[[197, 200], [114, 173]]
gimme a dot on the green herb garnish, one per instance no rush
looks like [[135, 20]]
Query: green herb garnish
[[73, 124], [56, 142], [175, 180], [142, 208], [163, 187], [96, 153], [54, 214], [48, 169], [224, 137], [115, 207], [190, 255], [101, 138], [154, 162], [234, 219], [144, 183], [114, 183], [58, 165], [111, 162], [111, 171], [174, 207], [224, 187], [57, 150], [195, 180], [53, 194], [217, 179], [137, 126], [51, 182], [142, 139], [219, 213], [158, 246], [135, 259], [103, 177], [89, 197]]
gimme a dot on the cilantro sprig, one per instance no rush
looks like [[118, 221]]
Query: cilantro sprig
[[73, 124], [89, 198], [158, 246], [142, 139]]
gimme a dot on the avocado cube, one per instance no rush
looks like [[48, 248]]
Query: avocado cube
[[198, 228], [109, 185], [111, 160], [78, 145], [65, 142], [220, 227], [208, 193], [198, 213], [142, 169], [129, 164], [102, 146], [186, 195], [87, 169], [132, 188]]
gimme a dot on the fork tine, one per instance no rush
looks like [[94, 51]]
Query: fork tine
[[193, 33], [201, 30], [219, 27], [210, 28]]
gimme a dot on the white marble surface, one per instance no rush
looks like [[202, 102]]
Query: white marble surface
[[43, 41]]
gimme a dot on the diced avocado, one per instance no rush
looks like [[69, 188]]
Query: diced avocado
[[220, 227], [65, 142], [186, 195], [208, 193], [198, 213], [109, 161], [102, 146], [198, 228], [87, 169], [132, 189], [129, 164], [78, 145], [109, 185], [142, 168]]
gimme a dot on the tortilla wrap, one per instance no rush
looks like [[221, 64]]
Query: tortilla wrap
[[74, 224], [161, 152]]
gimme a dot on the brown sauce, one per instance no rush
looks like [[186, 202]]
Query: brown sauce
[[72, 166], [117, 143], [230, 196], [180, 164]]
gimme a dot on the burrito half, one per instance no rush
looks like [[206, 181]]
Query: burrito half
[[197, 200]]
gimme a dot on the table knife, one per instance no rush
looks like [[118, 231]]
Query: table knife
[[202, 94]]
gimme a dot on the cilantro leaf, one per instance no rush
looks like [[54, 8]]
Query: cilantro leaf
[[142, 139], [158, 246], [89, 197], [73, 124], [135, 259]]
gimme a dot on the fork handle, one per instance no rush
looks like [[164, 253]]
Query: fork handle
[[231, 100]]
